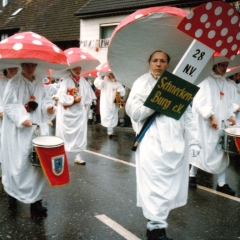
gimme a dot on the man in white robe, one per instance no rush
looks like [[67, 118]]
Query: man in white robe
[[71, 120], [109, 86], [234, 81], [161, 165], [8, 74], [21, 180], [212, 110]]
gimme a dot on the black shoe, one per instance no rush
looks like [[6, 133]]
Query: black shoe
[[226, 189], [90, 121], [192, 182], [157, 234], [12, 203], [37, 208]]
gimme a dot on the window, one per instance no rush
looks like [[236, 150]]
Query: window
[[3, 36], [106, 31]]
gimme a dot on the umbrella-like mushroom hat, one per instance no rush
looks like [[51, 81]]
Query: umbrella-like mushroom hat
[[105, 70], [33, 48], [232, 71], [142, 33], [77, 57], [91, 74]]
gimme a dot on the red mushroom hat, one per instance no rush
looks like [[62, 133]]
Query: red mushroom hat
[[91, 74], [34, 48], [77, 57], [105, 70], [232, 71], [142, 33]]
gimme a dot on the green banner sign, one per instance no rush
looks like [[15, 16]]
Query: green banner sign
[[171, 95]]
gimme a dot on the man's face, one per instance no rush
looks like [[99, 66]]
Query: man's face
[[12, 72], [158, 63], [28, 70], [221, 68], [77, 70], [237, 78]]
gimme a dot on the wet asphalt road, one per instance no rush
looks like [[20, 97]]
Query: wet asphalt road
[[106, 188]]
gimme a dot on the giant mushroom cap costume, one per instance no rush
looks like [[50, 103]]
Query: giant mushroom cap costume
[[91, 74], [77, 57], [30, 47], [171, 30], [105, 70], [142, 33], [232, 71]]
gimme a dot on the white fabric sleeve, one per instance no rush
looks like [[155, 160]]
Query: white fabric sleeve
[[14, 109]]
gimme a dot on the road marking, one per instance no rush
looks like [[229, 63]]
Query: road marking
[[219, 193], [111, 158], [199, 186], [116, 227]]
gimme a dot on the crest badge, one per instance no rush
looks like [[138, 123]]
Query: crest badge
[[58, 164]]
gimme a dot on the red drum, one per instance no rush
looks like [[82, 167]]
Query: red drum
[[48, 152]]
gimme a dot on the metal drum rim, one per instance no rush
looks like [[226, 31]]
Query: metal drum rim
[[47, 146]]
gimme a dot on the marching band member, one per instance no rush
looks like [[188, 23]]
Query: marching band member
[[212, 109], [109, 87], [233, 78], [161, 166], [74, 98], [25, 102], [8, 74]]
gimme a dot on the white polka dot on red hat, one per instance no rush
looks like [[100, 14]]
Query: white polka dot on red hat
[[18, 46]]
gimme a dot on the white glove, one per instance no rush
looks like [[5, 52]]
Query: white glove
[[194, 150]]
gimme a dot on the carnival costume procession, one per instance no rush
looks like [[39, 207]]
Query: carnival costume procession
[[183, 102]]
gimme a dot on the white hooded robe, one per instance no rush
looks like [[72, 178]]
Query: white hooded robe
[[71, 123], [20, 178], [3, 84], [207, 102], [161, 167], [235, 96], [109, 109]]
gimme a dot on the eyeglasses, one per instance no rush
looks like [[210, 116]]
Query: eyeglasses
[[223, 64]]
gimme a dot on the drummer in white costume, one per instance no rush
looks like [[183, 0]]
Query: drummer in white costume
[[234, 81], [212, 109], [71, 120], [162, 169], [8, 74], [20, 179], [108, 109]]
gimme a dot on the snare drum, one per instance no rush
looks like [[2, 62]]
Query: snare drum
[[50, 142], [231, 143]]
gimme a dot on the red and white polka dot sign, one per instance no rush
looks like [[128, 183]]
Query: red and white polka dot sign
[[215, 24]]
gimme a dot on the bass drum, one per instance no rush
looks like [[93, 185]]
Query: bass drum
[[231, 142]]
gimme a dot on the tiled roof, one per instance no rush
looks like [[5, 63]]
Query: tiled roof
[[101, 8], [54, 19]]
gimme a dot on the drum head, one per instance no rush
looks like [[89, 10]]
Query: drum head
[[47, 141], [235, 132]]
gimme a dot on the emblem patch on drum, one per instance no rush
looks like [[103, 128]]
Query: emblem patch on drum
[[58, 164]]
